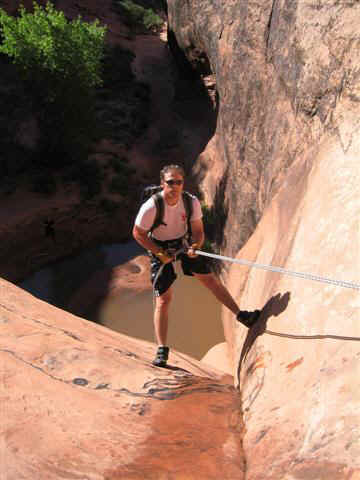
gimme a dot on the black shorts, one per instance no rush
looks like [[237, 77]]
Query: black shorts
[[167, 276]]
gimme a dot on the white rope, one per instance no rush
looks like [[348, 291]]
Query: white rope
[[271, 268]]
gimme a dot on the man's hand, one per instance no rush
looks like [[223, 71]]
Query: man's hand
[[164, 257], [191, 250]]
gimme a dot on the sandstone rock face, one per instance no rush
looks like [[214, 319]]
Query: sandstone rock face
[[288, 142], [286, 75], [284, 158], [81, 401], [300, 393]]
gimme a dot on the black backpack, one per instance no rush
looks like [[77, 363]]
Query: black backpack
[[155, 192]]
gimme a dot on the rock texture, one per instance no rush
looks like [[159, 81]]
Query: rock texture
[[81, 401], [286, 153], [299, 389], [147, 111], [286, 75], [283, 167]]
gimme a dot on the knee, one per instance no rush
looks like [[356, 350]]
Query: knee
[[208, 280], [164, 300]]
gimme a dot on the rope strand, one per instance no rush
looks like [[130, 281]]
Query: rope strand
[[310, 337], [271, 268]]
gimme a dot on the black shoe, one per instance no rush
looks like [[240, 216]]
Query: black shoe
[[161, 357], [248, 318]]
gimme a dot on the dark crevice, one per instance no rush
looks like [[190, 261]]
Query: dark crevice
[[268, 28]]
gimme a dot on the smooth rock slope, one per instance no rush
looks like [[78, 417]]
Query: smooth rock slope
[[283, 173], [81, 401]]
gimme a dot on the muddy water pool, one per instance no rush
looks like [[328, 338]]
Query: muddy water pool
[[195, 315]]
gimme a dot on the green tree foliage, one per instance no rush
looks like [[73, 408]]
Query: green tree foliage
[[136, 15], [60, 63]]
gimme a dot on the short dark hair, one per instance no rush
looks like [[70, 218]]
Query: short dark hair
[[168, 168]]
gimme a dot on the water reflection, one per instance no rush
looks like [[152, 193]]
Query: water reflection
[[195, 315], [57, 282]]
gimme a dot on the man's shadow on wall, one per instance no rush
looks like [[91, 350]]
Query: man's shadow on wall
[[274, 307]]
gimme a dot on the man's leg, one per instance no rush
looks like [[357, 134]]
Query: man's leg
[[161, 311], [161, 320], [161, 316], [213, 283]]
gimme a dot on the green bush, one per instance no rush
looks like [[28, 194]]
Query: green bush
[[45, 40], [138, 16], [151, 20], [209, 221], [209, 217], [60, 63]]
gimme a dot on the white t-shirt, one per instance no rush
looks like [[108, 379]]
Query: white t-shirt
[[174, 217]]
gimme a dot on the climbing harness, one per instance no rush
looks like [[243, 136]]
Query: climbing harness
[[158, 273], [271, 268]]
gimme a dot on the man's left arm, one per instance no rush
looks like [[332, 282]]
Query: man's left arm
[[197, 237]]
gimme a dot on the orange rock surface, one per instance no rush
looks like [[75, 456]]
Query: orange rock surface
[[285, 158], [298, 380], [81, 401]]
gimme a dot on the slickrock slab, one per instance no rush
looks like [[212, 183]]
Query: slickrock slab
[[283, 173], [80, 401], [300, 389]]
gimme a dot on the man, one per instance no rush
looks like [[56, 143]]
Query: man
[[164, 241]]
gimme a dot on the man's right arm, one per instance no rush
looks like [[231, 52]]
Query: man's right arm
[[143, 222], [141, 236]]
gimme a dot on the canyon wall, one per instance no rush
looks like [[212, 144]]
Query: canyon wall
[[284, 159], [282, 170], [78, 400]]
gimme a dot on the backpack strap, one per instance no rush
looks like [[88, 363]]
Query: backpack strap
[[188, 204], [159, 216], [160, 209]]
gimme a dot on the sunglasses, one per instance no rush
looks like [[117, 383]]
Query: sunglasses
[[174, 182]]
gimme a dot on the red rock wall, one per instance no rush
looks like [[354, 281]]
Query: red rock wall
[[81, 401], [288, 140], [281, 69], [300, 393], [287, 149]]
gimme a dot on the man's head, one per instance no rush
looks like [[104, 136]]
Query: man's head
[[172, 182], [169, 168]]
